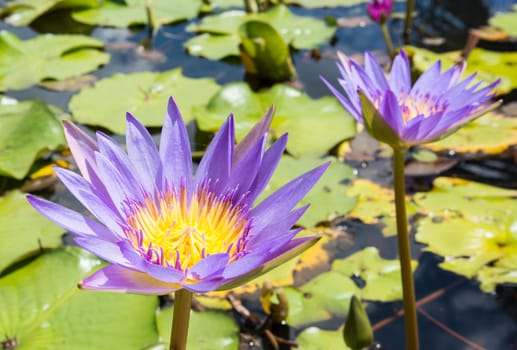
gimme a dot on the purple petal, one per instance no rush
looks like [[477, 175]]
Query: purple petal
[[217, 161], [283, 200], [391, 112], [255, 135], [428, 79], [243, 265], [175, 150], [118, 279], [143, 154], [374, 70], [82, 146], [209, 267], [353, 109], [203, 286], [400, 75], [71, 220], [105, 250]]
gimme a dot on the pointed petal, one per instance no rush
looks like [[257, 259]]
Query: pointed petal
[[354, 110], [175, 150], [105, 250], [255, 135], [217, 161], [118, 279], [391, 112], [374, 70], [209, 267], [425, 83], [400, 75], [143, 154], [82, 147]]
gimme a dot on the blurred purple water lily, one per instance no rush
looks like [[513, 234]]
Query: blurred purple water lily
[[402, 115], [163, 228], [379, 10]]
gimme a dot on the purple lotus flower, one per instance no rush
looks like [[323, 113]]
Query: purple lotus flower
[[379, 10], [163, 228], [402, 115]]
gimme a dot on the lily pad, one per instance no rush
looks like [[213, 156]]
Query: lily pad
[[473, 226], [492, 134], [48, 56], [28, 129], [375, 204], [208, 330], [489, 65], [23, 12], [314, 126], [23, 231], [126, 13], [42, 308], [327, 198], [506, 22], [144, 94], [301, 32], [314, 338], [381, 276]]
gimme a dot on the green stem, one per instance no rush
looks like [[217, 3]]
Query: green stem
[[387, 39], [408, 288], [410, 5], [180, 319]]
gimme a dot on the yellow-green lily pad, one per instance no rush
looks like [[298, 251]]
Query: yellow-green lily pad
[[489, 65], [473, 226], [506, 22], [123, 14], [314, 126], [143, 94], [492, 134], [42, 308], [29, 129], [301, 32], [48, 56], [314, 338]]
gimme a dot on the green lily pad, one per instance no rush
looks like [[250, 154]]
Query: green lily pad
[[489, 65], [314, 126], [473, 227], [29, 128], [42, 308], [327, 197], [506, 22], [208, 330], [298, 31], [375, 204], [381, 276], [23, 12], [314, 338], [25, 63], [492, 134], [115, 13], [23, 231], [144, 94]]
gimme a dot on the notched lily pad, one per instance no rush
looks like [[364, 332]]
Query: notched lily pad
[[299, 31], [473, 226], [42, 308], [126, 13], [143, 94], [23, 231], [314, 126], [29, 128], [208, 330], [492, 134], [48, 56], [489, 65]]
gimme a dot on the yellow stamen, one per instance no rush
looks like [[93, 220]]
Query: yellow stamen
[[170, 230]]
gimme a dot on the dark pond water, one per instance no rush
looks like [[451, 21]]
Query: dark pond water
[[454, 313]]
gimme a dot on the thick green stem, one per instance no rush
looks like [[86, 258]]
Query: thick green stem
[[410, 5], [180, 319], [387, 39], [408, 287]]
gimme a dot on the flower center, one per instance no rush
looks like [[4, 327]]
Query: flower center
[[170, 229], [415, 105]]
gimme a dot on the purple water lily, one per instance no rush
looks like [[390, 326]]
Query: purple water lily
[[435, 106], [379, 10], [163, 228]]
